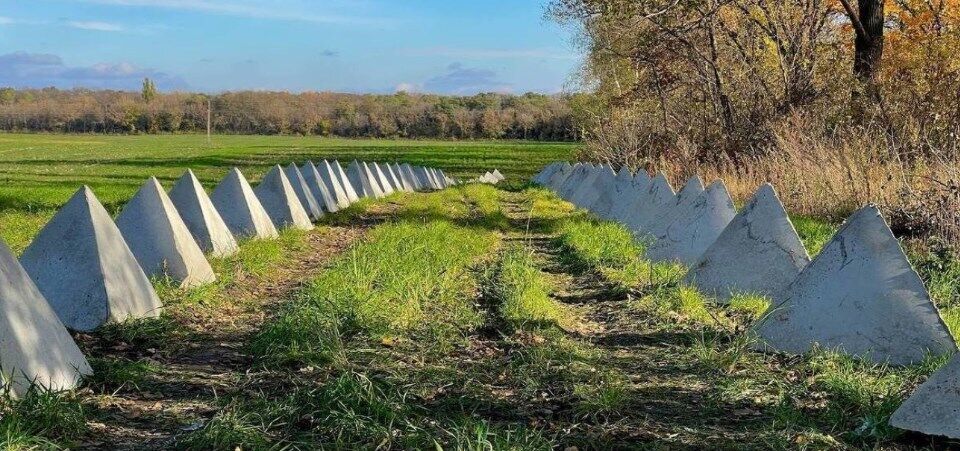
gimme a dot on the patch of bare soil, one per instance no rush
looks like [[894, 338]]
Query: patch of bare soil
[[202, 355]]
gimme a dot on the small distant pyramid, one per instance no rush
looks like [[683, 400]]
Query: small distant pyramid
[[85, 270], [337, 191], [695, 227], [241, 210], [859, 295], [657, 200], [348, 187], [758, 253], [160, 240], [498, 175], [304, 193], [35, 348], [431, 180], [359, 180], [319, 189], [279, 199], [201, 217], [382, 179], [657, 224], [932, 409], [408, 172]]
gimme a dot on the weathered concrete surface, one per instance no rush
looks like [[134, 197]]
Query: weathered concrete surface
[[35, 348], [934, 408], [695, 228], [160, 240], [85, 270], [382, 179], [657, 225], [319, 189], [602, 183], [629, 196], [859, 295], [348, 188], [240, 209], [558, 177], [304, 193], [544, 175], [575, 180], [434, 180], [608, 198], [395, 179], [337, 191], [404, 178], [585, 188], [368, 174], [359, 180], [645, 209], [280, 200], [410, 173], [424, 178], [758, 253], [201, 217]]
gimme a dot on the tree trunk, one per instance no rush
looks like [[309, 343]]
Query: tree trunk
[[869, 43]]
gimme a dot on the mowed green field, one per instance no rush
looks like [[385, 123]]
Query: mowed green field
[[38, 173]]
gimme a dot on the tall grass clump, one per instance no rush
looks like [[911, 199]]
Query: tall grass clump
[[522, 291], [405, 279], [40, 419]]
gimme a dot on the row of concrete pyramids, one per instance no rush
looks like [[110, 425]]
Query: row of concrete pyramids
[[860, 295], [85, 269]]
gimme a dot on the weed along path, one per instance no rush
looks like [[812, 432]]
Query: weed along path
[[468, 318]]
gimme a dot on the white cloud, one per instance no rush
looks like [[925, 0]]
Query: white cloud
[[96, 26], [38, 70], [5, 20], [288, 10]]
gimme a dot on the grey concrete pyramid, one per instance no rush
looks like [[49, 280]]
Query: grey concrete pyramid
[[368, 173], [557, 179], [602, 181], [319, 189], [934, 408], [758, 253], [423, 178], [85, 270], [585, 188], [348, 188], [330, 179], [544, 175], [35, 348], [310, 203], [431, 179], [240, 208], [658, 199], [280, 200], [160, 240], [397, 173], [859, 295], [629, 191], [498, 175], [695, 227], [358, 178], [442, 178], [437, 180], [408, 171], [656, 225], [575, 180], [201, 217], [382, 179]]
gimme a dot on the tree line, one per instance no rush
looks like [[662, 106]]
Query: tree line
[[401, 115]]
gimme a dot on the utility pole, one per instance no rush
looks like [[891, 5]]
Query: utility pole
[[209, 141]]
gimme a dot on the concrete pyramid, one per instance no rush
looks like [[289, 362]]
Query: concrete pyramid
[[614, 193], [759, 252], [309, 202], [657, 225], [201, 217], [160, 240], [859, 295], [657, 200], [575, 180], [557, 179], [358, 178], [695, 227], [934, 407], [382, 179], [407, 170], [402, 177], [585, 188], [35, 348], [394, 177], [371, 177], [241, 210], [279, 199], [498, 175], [431, 178], [337, 190], [85, 270], [424, 178], [348, 188], [441, 179], [603, 182], [319, 189], [544, 175]]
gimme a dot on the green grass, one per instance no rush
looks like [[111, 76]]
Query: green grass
[[522, 291], [814, 232], [41, 420], [41, 171]]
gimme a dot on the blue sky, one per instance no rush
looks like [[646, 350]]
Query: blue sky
[[441, 46]]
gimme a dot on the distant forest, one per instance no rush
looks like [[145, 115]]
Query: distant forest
[[401, 115]]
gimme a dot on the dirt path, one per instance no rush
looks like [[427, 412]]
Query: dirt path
[[189, 370]]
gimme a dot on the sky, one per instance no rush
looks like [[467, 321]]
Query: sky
[[377, 46]]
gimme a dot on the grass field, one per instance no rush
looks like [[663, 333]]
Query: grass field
[[38, 173]]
